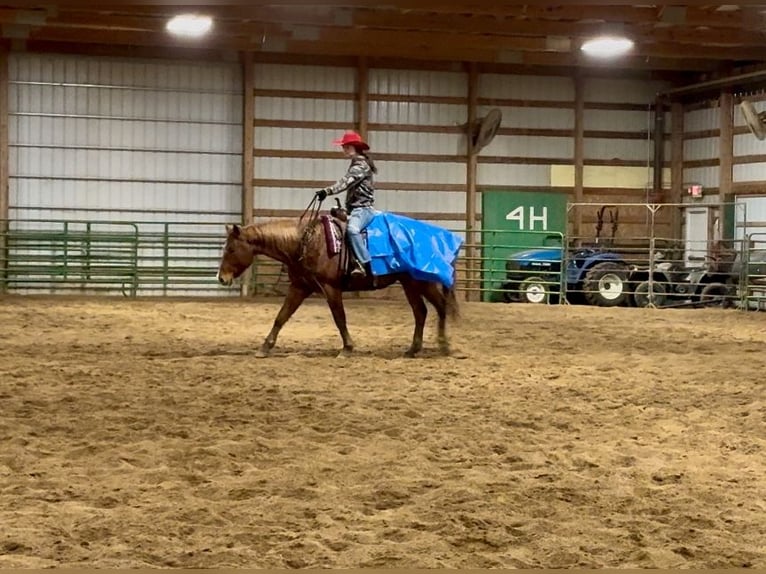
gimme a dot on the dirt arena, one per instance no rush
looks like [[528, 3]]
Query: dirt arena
[[146, 434]]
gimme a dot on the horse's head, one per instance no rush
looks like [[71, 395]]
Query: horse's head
[[237, 256]]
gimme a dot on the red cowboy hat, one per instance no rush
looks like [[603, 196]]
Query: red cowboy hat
[[351, 138]]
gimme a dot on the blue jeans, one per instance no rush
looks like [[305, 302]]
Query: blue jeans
[[359, 218]]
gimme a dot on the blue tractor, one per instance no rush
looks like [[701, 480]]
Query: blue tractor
[[594, 275]]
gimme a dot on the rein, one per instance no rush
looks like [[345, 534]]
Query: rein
[[312, 211]]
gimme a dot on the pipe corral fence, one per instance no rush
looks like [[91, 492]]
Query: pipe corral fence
[[145, 258]]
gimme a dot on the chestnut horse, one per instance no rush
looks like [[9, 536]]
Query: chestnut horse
[[302, 248]]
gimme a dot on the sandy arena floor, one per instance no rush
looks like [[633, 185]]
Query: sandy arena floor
[[145, 434]]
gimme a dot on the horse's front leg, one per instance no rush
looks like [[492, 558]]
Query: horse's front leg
[[295, 296], [335, 301]]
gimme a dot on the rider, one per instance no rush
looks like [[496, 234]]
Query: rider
[[360, 195]]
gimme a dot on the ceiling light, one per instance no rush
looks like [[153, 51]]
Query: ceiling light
[[190, 25], [607, 47]]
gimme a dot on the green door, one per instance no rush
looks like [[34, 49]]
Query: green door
[[513, 221]]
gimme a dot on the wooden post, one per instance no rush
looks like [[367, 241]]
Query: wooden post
[[676, 166], [579, 152], [726, 149], [472, 266], [248, 167], [4, 189]]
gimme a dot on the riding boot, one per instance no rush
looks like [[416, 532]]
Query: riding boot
[[358, 270]]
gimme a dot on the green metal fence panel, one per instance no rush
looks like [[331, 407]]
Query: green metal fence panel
[[513, 221]]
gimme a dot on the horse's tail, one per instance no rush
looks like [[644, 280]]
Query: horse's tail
[[450, 295], [453, 309]]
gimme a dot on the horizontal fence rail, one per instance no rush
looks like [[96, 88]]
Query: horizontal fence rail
[[149, 258]]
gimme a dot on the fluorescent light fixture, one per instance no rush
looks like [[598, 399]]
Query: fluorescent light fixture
[[189, 25], [607, 46]]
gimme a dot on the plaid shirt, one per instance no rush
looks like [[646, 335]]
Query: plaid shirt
[[357, 183]]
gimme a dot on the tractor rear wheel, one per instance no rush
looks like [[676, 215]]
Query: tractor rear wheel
[[643, 298], [605, 284]]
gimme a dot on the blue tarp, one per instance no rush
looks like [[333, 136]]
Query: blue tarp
[[400, 244]]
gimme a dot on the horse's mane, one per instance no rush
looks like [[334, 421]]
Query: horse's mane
[[280, 235]]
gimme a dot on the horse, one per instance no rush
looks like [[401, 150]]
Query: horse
[[302, 248]]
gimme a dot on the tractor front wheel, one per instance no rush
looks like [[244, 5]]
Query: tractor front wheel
[[605, 284]]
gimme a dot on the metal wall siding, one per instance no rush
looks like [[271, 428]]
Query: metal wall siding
[[417, 143], [304, 109], [747, 144], [618, 91], [530, 88], [749, 172], [531, 147], [619, 120], [305, 139], [304, 78], [517, 87], [509, 175], [60, 197], [706, 176], [613, 148], [533, 118], [130, 129], [418, 83], [417, 113], [422, 173], [322, 108], [300, 169], [702, 120], [701, 149]]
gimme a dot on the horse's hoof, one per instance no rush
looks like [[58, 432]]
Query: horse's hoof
[[410, 353], [344, 354], [262, 353]]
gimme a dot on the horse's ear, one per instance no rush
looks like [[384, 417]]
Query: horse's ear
[[233, 230]]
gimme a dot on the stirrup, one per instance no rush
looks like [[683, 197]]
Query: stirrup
[[358, 270]]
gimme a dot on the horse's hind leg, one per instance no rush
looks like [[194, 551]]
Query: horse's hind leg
[[295, 296], [335, 301], [420, 311], [433, 293]]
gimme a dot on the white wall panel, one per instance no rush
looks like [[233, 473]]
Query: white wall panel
[[750, 172], [530, 147], [418, 83], [415, 142], [618, 120], [417, 113], [299, 168], [701, 120], [514, 175], [614, 90], [303, 78], [518, 87], [52, 194], [533, 118], [128, 129], [304, 109], [307, 139], [613, 148], [706, 176], [422, 172], [702, 148]]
